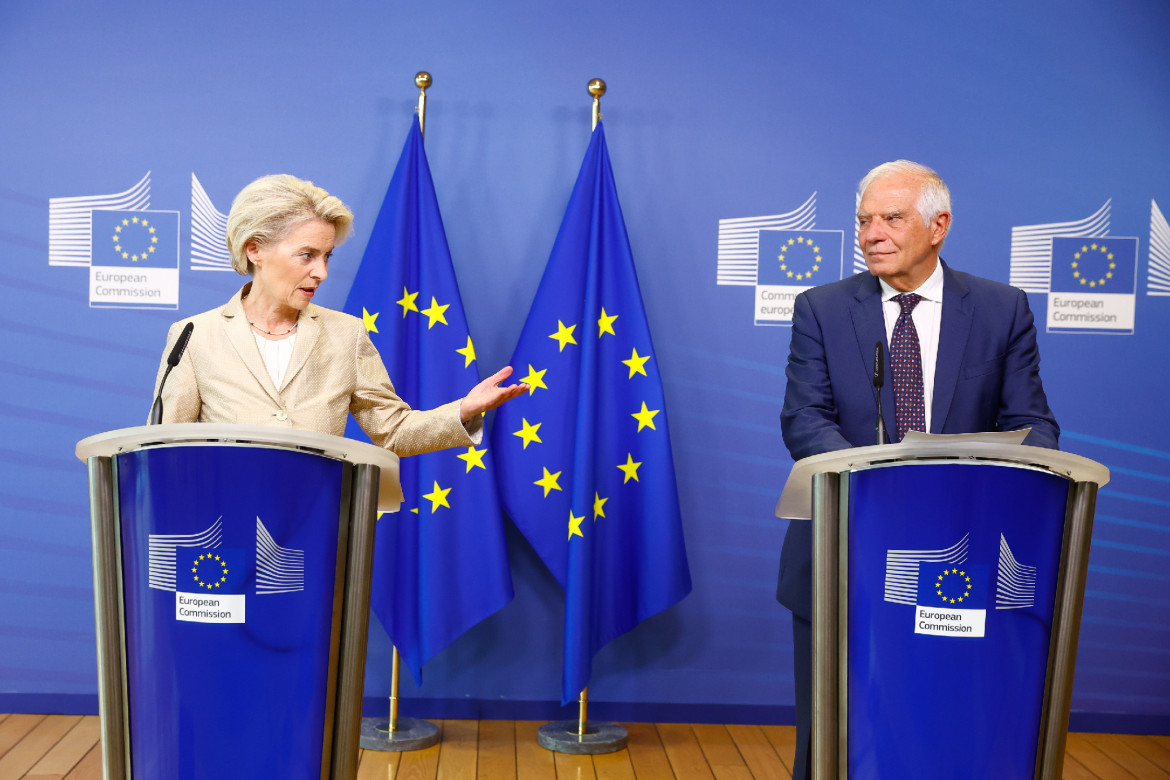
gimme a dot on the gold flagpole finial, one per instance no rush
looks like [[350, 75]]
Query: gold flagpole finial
[[596, 89], [422, 80]]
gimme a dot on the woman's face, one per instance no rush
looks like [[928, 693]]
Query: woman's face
[[287, 272]]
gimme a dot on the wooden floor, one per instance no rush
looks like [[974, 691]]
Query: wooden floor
[[40, 747]]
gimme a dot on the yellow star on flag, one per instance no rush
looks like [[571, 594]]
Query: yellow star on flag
[[598, 506], [548, 481], [637, 363], [629, 468], [528, 433], [473, 458], [468, 353], [370, 320], [437, 497], [407, 302], [645, 417], [435, 313], [534, 379], [564, 335], [575, 525], [605, 323]]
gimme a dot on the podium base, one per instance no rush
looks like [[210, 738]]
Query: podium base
[[562, 737], [411, 734]]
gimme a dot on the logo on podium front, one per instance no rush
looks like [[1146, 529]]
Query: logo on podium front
[[949, 594], [212, 587], [210, 581], [952, 600]]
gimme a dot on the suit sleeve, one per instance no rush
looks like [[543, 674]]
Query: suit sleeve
[[1023, 403], [391, 423], [181, 400], [809, 419]]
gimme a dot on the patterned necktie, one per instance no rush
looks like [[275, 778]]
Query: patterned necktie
[[906, 367]]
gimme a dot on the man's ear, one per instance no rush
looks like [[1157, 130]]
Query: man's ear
[[939, 227]]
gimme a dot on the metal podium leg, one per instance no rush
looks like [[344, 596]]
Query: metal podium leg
[[1066, 627], [825, 644], [355, 621], [109, 616]]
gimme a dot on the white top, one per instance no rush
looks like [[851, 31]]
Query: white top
[[1000, 448], [112, 443], [277, 355], [927, 316]]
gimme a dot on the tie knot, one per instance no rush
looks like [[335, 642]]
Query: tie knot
[[908, 301]]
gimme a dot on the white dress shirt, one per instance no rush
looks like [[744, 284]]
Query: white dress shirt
[[927, 316], [277, 355]]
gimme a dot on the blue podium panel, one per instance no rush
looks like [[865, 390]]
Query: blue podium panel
[[230, 559], [952, 580]]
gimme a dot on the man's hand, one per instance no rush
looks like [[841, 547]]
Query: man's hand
[[488, 394]]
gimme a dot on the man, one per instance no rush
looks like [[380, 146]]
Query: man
[[961, 350]]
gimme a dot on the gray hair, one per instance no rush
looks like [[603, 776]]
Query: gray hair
[[268, 208], [933, 198]]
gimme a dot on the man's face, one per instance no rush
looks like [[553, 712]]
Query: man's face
[[897, 246]]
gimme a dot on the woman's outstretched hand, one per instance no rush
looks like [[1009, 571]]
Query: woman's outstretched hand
[[488, 394]]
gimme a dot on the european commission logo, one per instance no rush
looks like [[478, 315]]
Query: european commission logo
[[135, 259], [131, 250], [1090, 277], [780, 256], [1093, 287], [950, 594], [952, 600], [210, 582]]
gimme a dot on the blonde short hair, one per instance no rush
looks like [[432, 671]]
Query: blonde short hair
[[268, 208]]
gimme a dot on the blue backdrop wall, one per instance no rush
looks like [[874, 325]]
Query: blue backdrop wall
[[1046, 118]]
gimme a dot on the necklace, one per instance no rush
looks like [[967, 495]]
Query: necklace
[[270, 333]]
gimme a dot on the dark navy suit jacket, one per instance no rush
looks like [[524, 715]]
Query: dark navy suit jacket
[[987, 378]]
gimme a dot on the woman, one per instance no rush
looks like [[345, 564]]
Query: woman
[[269, 356]]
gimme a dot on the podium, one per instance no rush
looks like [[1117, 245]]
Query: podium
[[948, 576], [231, 584]]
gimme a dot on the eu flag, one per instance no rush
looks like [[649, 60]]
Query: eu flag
[[1101, 264], [135, 238], [585, 468], [440, 564]]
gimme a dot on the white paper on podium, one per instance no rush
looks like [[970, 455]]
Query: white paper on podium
[[996, 437]]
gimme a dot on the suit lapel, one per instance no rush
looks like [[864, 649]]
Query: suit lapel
[[308, 331], [870, 328], [239, 333], [952, 343]]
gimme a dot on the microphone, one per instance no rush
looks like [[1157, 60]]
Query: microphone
[[879, 375], [156, 411]]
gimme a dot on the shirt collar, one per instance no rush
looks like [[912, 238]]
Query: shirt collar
[[931, 289]]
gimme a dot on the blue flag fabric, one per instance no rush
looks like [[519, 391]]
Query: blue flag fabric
[[440, 564], [584, 460]]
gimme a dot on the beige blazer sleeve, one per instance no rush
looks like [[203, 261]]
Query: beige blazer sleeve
[[334, 371]]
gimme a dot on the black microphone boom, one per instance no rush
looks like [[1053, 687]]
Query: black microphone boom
[[156, 411], [879, 374]]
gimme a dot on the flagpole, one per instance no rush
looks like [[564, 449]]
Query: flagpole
[[596, 89], [583, 737], [583, 712], [392, 735], [422, 80]]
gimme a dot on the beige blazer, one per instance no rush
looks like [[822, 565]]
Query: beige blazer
[[334, 371]]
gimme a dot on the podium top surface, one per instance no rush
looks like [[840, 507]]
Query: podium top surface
[[796, 501], [124, 440]]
